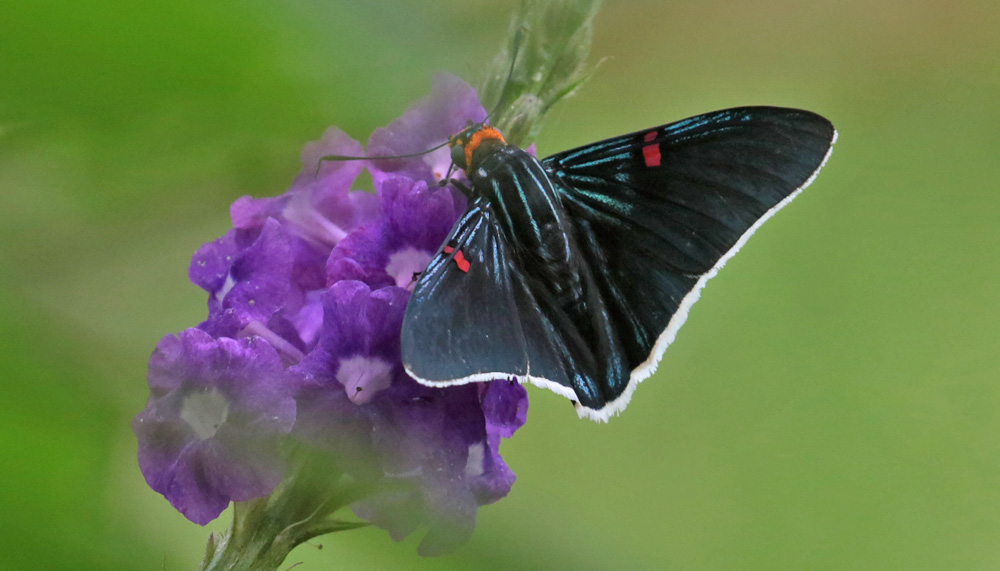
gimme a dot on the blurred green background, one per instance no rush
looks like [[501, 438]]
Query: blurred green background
[[831, 404]]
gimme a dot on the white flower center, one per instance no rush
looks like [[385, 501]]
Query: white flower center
[[226, 287], [204, 412], [474, 463], [363, 377], [405, 263]]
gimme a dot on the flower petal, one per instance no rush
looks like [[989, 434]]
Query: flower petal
[[427, 124], [211, 430]]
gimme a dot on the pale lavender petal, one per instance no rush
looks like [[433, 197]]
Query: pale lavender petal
[[451, 105]]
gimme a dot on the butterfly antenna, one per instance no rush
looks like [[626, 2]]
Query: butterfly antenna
[[379, 157], [374, 158]]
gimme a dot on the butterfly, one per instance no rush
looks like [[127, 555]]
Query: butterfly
[[575, 272]]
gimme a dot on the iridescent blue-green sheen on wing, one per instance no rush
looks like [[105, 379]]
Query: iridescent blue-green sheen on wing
[[576, 272], [658, 232]]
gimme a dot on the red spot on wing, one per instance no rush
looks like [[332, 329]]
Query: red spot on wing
[[651, 154], [459, 258], [461, 262]]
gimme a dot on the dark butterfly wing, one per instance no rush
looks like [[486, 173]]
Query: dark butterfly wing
[[472, 318], [658, 212]]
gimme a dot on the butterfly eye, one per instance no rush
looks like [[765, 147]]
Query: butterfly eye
[[458, 155]]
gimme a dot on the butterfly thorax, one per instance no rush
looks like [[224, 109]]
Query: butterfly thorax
[[529, 212]]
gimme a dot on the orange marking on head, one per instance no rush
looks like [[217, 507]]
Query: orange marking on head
[[478, 137]]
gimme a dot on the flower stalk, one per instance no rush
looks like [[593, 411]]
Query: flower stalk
[[303, 506], [545, 59]]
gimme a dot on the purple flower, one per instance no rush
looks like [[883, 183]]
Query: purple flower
[[415, 219], [437, 450], [306, 297], [319, 206], [210, 431], [359, 346], [266, 273], [443, 447], [427, 124]]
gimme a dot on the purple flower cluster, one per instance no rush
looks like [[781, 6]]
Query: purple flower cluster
[[301, 345]]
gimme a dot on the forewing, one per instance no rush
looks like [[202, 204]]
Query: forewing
[[659, 211], [693, 188]]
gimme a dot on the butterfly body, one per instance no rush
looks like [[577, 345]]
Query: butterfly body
[[576, 271], [522, 196]]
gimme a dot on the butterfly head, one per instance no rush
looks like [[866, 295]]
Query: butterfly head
[[465, 143]]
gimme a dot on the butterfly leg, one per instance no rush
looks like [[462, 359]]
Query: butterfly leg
[[459, 185]]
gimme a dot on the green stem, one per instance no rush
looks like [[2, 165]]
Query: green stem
[[254, 543], [264, 531], [545, 60]]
